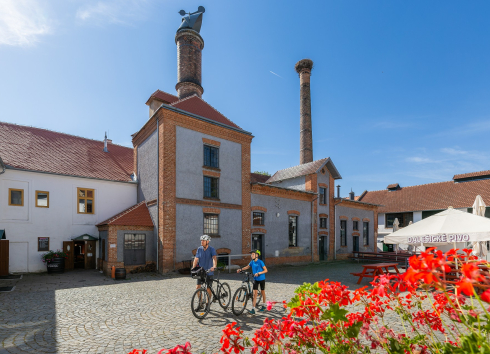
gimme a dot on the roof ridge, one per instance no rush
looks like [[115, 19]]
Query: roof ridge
[[158, 90], [122, 213], [185, 99], [303, 164], [467, 173], [57, 132], [417, 185]]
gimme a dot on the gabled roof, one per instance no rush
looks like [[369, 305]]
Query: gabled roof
[[305, 169], [433, 196], [195, 104], [41, 150], [472, 175], [137, 215], [258, 178], [162, 96]]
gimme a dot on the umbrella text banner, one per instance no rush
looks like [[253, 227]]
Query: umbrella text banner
[[438, 239]]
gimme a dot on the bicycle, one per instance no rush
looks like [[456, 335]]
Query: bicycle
[[200, 302], [242, 295]]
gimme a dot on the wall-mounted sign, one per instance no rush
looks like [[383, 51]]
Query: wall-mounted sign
[[85, 237], [113, 245], [42, 244], [439, 238]]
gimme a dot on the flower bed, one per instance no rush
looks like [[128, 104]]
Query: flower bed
[[434, 318]]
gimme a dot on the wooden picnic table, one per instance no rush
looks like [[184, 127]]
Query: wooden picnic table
[[375, 269]]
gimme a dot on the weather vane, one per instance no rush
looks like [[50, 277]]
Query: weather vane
[[192, 20]]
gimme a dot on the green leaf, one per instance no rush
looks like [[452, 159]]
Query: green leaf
[[353, 331]]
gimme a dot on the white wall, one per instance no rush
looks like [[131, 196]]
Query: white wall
[[417, 216], [381, 220], [60, 222]]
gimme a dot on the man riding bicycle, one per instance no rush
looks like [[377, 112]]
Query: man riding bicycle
[[206, 259]]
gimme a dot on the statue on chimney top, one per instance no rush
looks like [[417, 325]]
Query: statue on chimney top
[[192, 20]]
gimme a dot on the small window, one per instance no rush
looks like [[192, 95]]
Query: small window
[[365, 233], [293, 231], [323, 223], [323, 195], [211, 224], [42, 199], [16, 197], [343, 232], [211, 156], [85, 200], [210, 187], [355, 225], [258, 218]]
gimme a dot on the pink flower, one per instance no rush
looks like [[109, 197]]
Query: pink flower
[[269, 305]]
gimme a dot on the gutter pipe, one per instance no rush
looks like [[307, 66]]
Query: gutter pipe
[[2, 166]]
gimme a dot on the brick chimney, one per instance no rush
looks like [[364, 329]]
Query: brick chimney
[[189, 46], [303, 68]]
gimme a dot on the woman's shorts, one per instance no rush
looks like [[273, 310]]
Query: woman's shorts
[[262, 284]]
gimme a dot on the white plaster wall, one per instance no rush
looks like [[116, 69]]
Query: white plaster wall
[[417, 216], [60, 222], [381, 220]]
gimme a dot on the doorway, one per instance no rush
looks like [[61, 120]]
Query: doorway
[[258, 244], [84, 254], [68, 248], [356, 244], [323, 248], [134, 249]]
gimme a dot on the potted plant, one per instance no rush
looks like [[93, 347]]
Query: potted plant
[[55, 261]]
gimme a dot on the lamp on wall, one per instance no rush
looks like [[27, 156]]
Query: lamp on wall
[[278, 214]]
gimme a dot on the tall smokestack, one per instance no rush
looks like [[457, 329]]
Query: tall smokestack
[[303, 68], [189, 46]]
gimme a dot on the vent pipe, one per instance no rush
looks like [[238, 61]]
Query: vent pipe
[[105, 143], [338, 191], [351, 195]]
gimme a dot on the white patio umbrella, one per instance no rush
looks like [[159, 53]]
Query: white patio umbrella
[[447, 227], [479, 207]]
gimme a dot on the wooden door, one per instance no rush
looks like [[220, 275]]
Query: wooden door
[[68, 249], [257, 244], [4, 257], [321, 249], [90, 254], [356, 243]]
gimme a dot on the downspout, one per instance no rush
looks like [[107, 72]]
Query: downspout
[[335, 233], [2, 166], [158, 189], [313, 222]]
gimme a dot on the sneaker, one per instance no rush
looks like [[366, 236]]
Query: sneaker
[[262, 308], [251, 312]]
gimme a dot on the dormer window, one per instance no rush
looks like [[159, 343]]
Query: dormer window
[[393, 187]]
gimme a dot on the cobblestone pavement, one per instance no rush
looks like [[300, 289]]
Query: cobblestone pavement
[[83, 311]]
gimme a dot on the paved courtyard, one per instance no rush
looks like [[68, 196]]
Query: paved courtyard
[[85, 312]]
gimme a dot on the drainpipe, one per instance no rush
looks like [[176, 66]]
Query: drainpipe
[[313, 220], [2, 166], [158, 188], [335, 232]]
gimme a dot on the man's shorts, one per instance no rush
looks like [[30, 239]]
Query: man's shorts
[[262, 284], [209, 281]]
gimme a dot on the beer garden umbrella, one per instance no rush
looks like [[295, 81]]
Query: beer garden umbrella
[[479, 208]]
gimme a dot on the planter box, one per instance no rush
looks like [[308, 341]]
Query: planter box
[[56, 265]]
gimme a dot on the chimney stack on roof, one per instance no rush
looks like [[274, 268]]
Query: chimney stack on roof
[[105, 143], [189, 46], [352, 195], [303, 68]]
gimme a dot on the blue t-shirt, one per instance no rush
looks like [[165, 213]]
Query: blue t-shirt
[[257, 267], [206, 258]]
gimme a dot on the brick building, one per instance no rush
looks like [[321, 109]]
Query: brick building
[[190, 175]]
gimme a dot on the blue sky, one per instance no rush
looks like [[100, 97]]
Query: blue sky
[[400, 89]]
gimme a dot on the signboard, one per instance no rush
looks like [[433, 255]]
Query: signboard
[[42, 244], [439, 238]]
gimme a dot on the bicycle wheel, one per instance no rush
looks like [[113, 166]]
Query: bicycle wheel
[[200, 303], [240, 300], [224, 295]]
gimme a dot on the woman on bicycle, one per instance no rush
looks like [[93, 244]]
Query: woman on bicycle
[[258, 269]]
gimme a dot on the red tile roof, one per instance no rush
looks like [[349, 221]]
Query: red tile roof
[[433, 196], [163, 96], [137, 215], [44, 150], [472, 174], [196, 105], [258, 178]]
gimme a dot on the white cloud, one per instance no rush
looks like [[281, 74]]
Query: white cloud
[[417, 159], [22, 22], [116, 12]]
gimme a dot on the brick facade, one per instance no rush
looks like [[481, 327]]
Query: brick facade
[[189, 47], [303, 68]]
